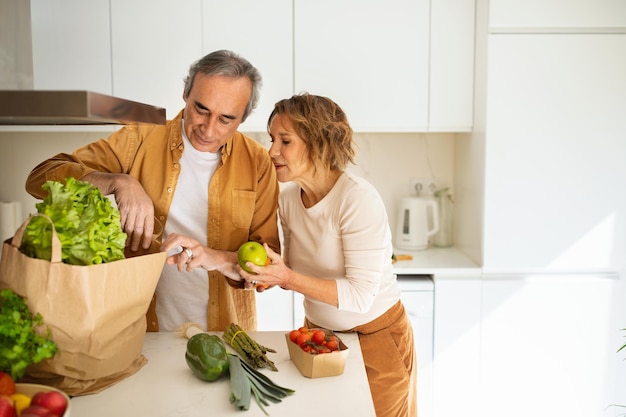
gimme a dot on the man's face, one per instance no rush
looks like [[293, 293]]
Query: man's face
[[214, 110]]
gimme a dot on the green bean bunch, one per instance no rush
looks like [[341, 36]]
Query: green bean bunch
[[253, 353]]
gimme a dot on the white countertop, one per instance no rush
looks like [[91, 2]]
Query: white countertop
[[436, 261], [452, 263], [166, 387]]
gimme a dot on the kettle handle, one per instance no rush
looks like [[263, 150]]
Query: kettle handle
[[435, 216]]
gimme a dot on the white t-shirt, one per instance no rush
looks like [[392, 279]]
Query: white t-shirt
[[183, 296], [345, 236]]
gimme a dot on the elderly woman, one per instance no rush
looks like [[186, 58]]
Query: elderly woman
[[337, 246]]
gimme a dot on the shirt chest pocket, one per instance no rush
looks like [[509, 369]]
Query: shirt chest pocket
[[243, 208]]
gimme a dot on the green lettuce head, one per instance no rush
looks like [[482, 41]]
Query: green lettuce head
[[86, 222]]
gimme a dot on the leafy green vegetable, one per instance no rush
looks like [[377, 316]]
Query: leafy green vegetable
[[86, 222], [20, 345], [247, 383]]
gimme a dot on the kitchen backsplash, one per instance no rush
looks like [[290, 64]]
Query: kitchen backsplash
[[387, 160], [390, 160]]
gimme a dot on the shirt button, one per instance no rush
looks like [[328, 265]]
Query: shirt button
[[161, 217], [169, 190], [176, 166]]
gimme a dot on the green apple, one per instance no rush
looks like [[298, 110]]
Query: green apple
[[251, 252]]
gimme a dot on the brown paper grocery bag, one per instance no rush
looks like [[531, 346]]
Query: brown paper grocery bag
[[96, 313]]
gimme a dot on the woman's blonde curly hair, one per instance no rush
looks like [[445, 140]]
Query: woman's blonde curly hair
[[324, 128]]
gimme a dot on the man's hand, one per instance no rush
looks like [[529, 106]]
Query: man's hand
[[136, 207], [190, 254]]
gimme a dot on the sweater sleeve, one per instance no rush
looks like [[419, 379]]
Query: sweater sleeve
[[366, 241]]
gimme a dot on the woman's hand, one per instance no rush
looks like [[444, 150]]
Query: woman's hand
[[264, 277], [277, 273]]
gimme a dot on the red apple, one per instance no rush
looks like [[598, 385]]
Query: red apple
[[37, 411], [52, 400], [6, 407]]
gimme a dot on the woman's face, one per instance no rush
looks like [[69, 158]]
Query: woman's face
[[288, 151]]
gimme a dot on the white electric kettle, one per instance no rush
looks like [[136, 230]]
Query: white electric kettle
[[417, 220]]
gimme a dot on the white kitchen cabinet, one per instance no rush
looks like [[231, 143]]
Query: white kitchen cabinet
[[457, 345], [298, 310], [263, 35], [153, 45], [572, 15], [544, 346], [417, 294], [554, 170], [374, 60], [451, 71], [71, 45], [368, 56], [402, 66], [275, 310]]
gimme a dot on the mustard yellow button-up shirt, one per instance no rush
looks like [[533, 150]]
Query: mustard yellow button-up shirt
[[243, 198]]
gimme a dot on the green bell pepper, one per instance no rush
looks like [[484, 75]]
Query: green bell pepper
[[206, 356]]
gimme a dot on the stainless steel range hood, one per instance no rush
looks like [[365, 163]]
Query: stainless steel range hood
[[32, 107]]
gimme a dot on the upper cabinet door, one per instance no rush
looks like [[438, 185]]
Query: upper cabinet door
[[262, 35], [154, 43], [565, 14], [370, 57], [451, 66], [555, 151], [71, 45]]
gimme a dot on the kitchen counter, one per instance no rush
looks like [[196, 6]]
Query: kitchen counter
[[165, 386], [435, 261]]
